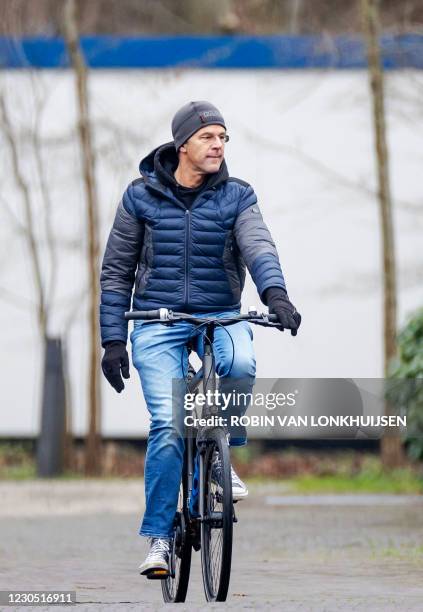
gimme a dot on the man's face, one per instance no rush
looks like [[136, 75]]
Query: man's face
[[206, 148]]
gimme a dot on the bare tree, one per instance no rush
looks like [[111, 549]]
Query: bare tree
[[71, 34], [45, 279], [391, 446], [42, 307]]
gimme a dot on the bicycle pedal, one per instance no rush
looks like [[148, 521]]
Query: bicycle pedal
[[159, 574]]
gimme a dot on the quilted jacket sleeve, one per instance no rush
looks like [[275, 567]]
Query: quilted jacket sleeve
[[118, 270], [256, 244]]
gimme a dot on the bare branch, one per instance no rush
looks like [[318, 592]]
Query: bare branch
[[29, 221], [74, 305], [17, 300], [17, 224], [324, 169], [45, 194]]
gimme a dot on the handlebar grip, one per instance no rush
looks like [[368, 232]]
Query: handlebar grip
[[146, 315], [273, 318]]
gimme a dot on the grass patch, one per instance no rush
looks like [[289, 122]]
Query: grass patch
[[18, 472], [402, 552], [17, 461], [367, 481], [341, 472]]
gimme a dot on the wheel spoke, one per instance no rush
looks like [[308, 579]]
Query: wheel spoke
[[174, 589], [216, 529], [215, 557], [215, 534]]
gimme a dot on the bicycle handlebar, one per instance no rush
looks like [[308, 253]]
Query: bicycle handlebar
[[147, 315], [162, 315]]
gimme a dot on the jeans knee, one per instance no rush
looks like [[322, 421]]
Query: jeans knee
[[241, 367], [166, 434]]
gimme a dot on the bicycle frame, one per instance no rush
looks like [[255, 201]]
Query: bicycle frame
[[207, 375]]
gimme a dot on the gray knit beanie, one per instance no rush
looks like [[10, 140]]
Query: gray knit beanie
[[191, 118]]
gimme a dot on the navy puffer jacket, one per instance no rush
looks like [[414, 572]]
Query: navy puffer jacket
[[187, 260]]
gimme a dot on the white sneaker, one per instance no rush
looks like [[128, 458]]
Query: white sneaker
[[158, 556], [239, 488]]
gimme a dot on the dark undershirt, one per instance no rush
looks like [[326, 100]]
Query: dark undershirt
[[187, 195]]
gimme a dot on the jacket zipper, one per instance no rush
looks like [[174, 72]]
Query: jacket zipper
[[187, 243], [187, 240]]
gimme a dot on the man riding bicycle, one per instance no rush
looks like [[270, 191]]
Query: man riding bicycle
[[181, 239]]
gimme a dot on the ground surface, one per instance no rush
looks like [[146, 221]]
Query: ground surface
[[291, 552]]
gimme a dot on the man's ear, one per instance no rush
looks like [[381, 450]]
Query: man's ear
[[182, 149]]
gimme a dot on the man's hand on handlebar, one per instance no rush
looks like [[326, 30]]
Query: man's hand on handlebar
[[114, 361], [279, 304]]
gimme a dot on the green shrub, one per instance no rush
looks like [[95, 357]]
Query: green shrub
[[405, 387]]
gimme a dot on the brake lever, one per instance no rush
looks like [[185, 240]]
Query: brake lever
[[263, 321], [270, 324]]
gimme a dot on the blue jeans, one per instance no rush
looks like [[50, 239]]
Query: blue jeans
[[159, 353]]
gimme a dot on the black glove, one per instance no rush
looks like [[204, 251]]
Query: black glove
[[114, 360], [279, 304]]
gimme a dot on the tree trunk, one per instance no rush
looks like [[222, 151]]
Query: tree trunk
[[93, 442], [294, 16], [391, 447]]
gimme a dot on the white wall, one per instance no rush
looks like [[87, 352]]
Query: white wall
[[302, 139]]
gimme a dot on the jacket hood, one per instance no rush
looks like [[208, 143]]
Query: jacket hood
[[159, 166]]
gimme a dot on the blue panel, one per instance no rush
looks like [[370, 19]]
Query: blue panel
[[284, 52]]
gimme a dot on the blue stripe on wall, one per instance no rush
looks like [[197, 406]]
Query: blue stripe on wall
[[284, 52]]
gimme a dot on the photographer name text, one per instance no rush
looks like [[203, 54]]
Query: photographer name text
[[296, 421]]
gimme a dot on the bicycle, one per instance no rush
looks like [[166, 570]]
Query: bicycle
[[205, 513]]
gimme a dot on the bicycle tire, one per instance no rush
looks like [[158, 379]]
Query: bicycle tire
[[216, 557], [174, 589]]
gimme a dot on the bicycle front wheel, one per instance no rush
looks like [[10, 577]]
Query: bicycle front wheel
[[217, 524], [175, 586]]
